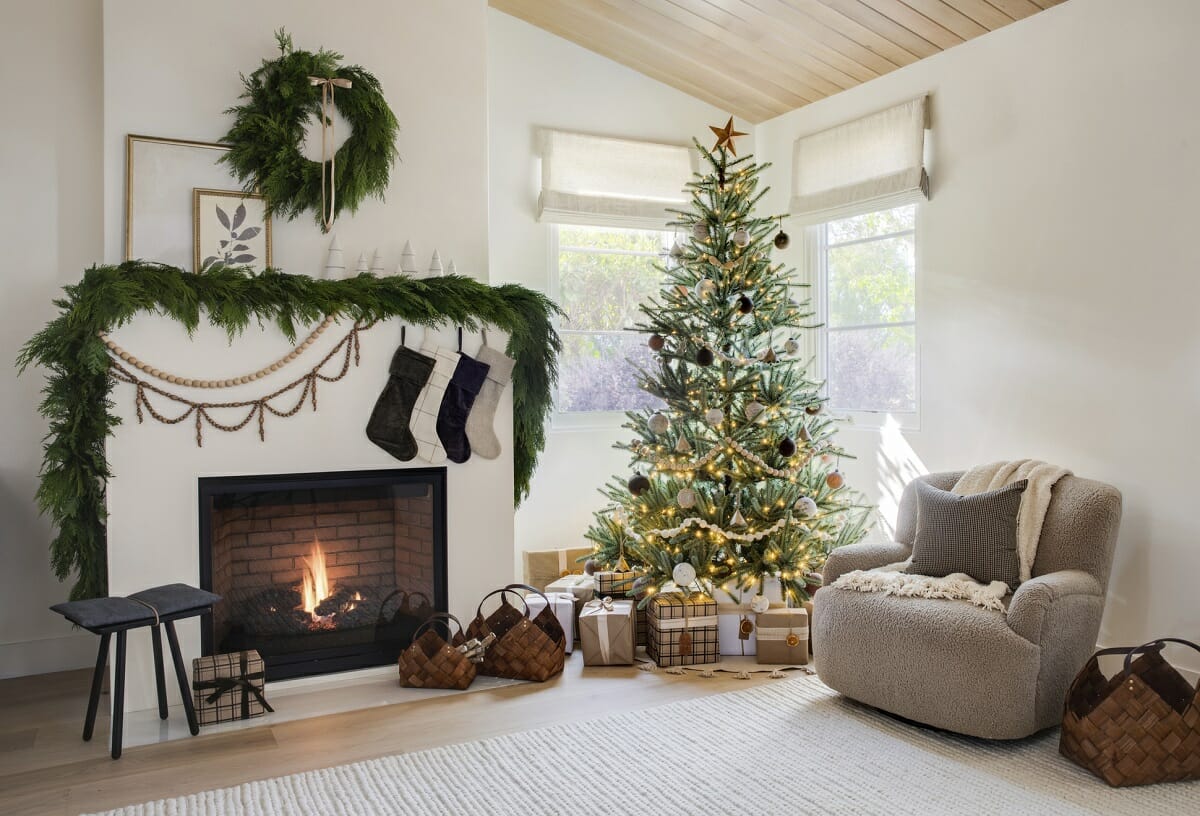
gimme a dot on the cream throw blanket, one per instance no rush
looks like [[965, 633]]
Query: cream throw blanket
[[893, 580]]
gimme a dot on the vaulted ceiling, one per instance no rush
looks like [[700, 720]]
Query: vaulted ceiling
[[760, 58]]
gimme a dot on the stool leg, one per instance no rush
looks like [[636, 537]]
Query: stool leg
[[89, 723], [181, 675], [118, 697], [160, 680]]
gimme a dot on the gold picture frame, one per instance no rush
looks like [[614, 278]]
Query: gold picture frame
[[234, 234]]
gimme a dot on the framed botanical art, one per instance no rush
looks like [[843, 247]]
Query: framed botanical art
[[230, 227]]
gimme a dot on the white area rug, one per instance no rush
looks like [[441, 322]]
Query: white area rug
[[788, 747]]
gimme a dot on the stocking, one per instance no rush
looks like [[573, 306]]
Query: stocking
[[425, 414], [388, 425], [468, 378], [480, 430]]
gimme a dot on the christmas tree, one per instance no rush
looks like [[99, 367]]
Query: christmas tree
[[737, 474]]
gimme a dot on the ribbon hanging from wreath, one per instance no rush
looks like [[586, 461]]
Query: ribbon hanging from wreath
[[281, 98]]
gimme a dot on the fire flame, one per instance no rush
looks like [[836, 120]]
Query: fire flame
[[316, 582]]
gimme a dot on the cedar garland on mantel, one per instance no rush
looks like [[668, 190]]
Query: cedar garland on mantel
[[80, 377]]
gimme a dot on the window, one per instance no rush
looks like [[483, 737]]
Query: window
[[868, 268], [603, 275]]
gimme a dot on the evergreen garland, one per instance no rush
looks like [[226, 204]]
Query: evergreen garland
[[264, 142], [77, 393]]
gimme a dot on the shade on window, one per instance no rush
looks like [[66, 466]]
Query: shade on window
[[604, 181], [873, 163]]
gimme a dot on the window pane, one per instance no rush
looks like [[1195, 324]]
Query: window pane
[[602, 292], [595, 238], [871, 224], [594, 374], [872, 282], [873, 369]]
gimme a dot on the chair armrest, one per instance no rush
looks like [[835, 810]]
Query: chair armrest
[[1031, 607], [863, 556]]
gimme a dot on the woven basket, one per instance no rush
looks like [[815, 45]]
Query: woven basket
[[525, 649], [1138, 727], [432, 661]]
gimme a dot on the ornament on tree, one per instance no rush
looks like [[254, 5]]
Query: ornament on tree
[[656, 342], [791, 345], [804, 433], [727, 482], [705, 288], [714, 416], [684, 574], [659, 423], [620, 516], [741, 237], [813, 408], [705, 356], [686, 498], [700, 230], [676, 251], [738, 521], [744, 304], [768, 356], [683, 446], [639, 484], [787, 447], [760, 604], [590, 566], [753, 409], [805, 506], [835, 479], [725, 137]]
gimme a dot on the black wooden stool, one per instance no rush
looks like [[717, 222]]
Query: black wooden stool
[[106, 616]]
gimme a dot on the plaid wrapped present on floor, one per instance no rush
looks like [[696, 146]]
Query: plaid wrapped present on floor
[[228, 687], [683, 629], [544, 566], [616, 584]]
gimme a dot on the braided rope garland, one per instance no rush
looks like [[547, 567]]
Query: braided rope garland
[[195, 382], [348, 346]]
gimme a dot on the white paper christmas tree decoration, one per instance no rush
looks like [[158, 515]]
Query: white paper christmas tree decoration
[[435, 265], [451, 269], [361, 266], [377, 264], [335, 263], [408, 260]]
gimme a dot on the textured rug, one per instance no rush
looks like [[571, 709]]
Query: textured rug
[[787, 747]]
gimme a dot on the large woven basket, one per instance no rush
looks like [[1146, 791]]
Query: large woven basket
[[433, 661], [525, 649], [1138, 727]]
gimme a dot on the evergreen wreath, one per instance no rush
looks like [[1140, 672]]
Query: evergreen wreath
[[77, 393], [264, 142]]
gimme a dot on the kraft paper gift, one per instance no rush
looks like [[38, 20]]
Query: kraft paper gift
[[608, 632], [544, 566], [783, 637]]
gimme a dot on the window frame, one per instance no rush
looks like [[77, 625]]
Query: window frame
[[590, 420], [817, 261]]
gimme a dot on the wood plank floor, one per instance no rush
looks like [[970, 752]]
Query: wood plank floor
[[45, 768]]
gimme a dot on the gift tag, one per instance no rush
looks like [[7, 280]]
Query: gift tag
[[745, 628], [685, 643], [792, 640]]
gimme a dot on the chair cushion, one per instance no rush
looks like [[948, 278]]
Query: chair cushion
[[975, 534], [115, 612]]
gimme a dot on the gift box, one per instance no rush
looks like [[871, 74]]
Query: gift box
[[682, 629], [228, 687], [731, 595], [582, 587], [732, 623], [783, 637], [616, 584], [544, 566], [608, 632], [562, 604]]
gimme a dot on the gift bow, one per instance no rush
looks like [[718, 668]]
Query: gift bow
[[328, 154], [605, 603], [223, 685]]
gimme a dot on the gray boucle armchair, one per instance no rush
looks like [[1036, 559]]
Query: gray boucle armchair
[[954, 665]]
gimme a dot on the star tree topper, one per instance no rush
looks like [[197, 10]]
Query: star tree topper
[[725, 136]]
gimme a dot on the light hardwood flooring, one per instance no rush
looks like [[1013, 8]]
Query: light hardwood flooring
[[45, 768]]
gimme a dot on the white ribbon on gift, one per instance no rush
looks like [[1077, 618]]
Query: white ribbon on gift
[[690, 622], [781, 632]]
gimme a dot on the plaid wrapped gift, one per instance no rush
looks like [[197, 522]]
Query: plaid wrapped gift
[[616, 584], [228, 687], [544, 566], [671, 616], [783, 637]]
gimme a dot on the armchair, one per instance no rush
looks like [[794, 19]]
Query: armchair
[[954, 665]]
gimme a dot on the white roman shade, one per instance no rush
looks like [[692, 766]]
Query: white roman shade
[[598, 180], [872, 163]]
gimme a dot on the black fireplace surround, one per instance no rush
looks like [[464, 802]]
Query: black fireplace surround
[[322, 572]]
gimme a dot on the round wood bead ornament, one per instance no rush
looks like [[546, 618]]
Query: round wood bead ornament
[[684, 574], [787, 447], [705, 356], [835, 479], [741, 237], [714, 416], [686, 498], [805, 506], [639, 484]]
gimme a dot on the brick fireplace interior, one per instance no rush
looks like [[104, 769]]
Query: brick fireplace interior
[[322, 572]]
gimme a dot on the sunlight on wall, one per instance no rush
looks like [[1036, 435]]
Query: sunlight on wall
[[898, 464]]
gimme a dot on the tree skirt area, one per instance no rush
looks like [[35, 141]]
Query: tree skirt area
[[787, 747]]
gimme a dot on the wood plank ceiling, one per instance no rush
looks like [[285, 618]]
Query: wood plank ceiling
[[760, 58]]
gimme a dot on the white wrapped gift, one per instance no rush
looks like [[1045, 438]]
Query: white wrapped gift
[[563, 606], [581, 587], [730, 619], [730, 595]]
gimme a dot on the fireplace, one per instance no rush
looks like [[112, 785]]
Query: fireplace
[[322, 572]]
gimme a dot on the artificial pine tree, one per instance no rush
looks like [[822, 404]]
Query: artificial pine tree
[[737, 474]]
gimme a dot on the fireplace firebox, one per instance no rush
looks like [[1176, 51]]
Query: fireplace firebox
[[322, 572]]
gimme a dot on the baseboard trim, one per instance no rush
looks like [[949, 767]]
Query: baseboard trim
[[63, 653]]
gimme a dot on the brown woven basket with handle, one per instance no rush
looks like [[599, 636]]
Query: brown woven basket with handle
[[1138, 727], [432, 661], [525, 649]]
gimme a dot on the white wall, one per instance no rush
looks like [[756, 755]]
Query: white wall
[[51, 225], [1057, 283], [536, 79]]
